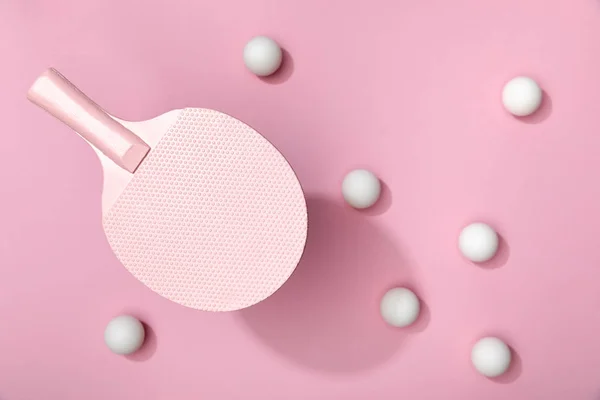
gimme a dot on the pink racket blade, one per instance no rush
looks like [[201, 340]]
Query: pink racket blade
[[197, 205]]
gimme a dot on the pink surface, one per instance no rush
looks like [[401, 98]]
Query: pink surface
[[408, 89]]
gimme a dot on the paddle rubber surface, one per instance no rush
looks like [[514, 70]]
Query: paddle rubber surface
[[214, 218]]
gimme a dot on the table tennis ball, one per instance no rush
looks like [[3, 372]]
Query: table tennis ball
[[124, 334], [478, 242], [400, 307], [361, 188], [491, 357], [262, 55], [522, 96]]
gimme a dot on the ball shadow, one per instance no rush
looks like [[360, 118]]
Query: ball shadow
[[284, 72], [514, 371], [424, 318], [542, 113], [326, 317], [148, 348], [383, 203], [501, 257]]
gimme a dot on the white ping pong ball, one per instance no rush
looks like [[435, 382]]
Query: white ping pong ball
[[361, 188], [124, 335], [491, 357], [521, 96], [262, 55], [478, 242], [400, 307]]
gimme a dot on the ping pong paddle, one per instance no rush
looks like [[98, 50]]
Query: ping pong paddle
[[197, 205]]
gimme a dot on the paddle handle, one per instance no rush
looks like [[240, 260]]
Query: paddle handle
[[55, 94]]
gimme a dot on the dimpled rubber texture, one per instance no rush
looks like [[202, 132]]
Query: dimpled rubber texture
[[214, 218]]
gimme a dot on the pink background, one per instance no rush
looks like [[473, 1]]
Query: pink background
[[409, 89]]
